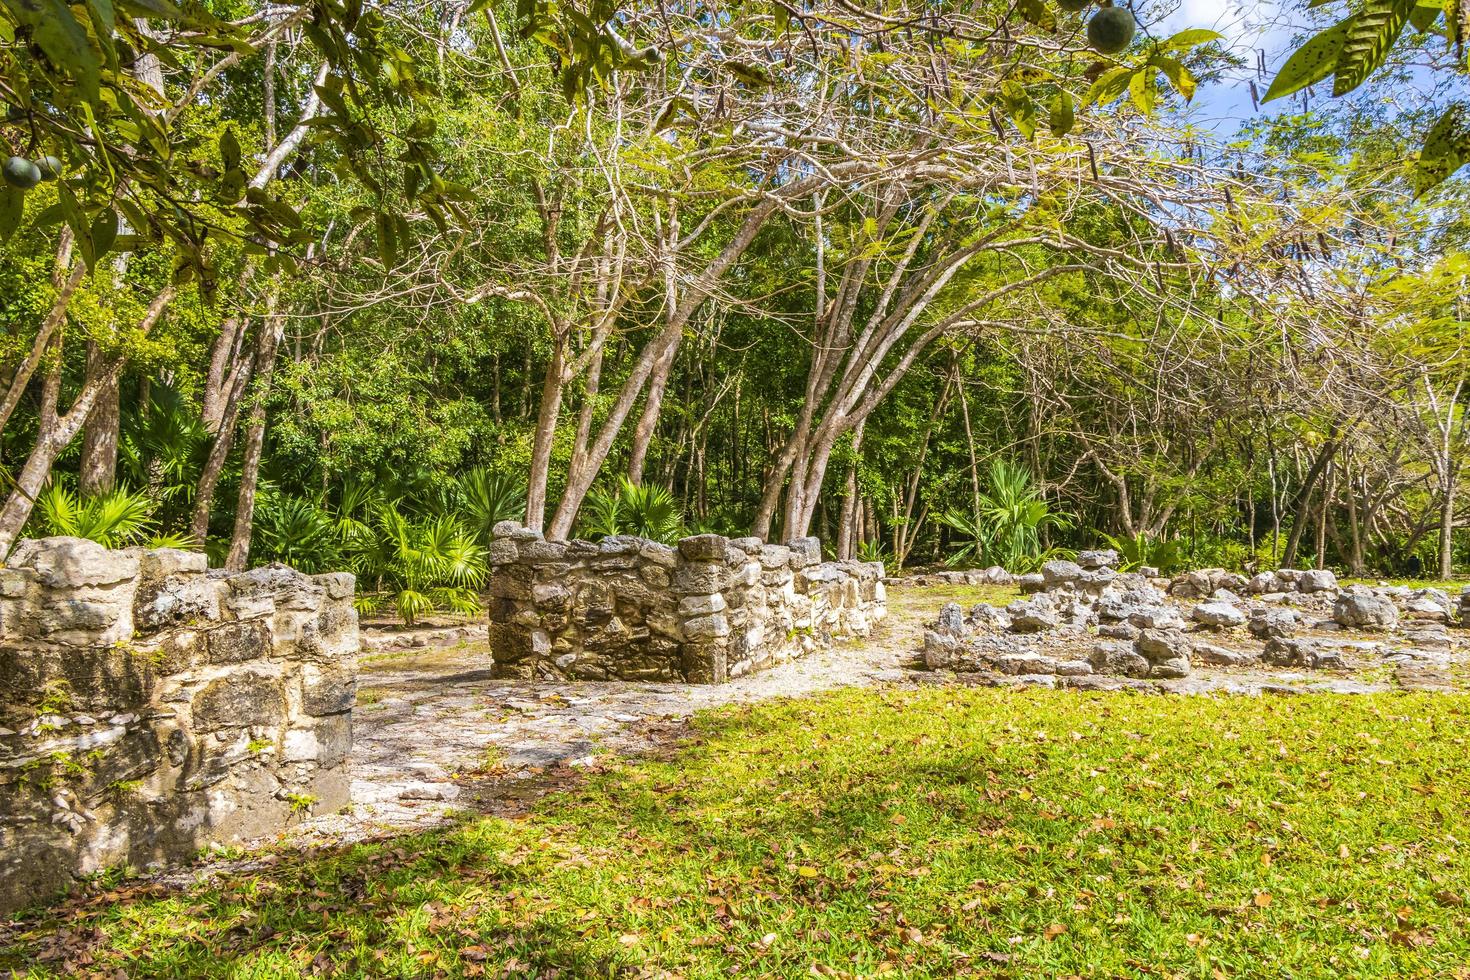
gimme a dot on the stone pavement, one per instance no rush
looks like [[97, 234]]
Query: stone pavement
[[430, 724]]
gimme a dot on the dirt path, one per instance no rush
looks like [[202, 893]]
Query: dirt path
[[426, 723]]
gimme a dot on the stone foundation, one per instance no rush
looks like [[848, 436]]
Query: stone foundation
[[710, 609], [149, 707]]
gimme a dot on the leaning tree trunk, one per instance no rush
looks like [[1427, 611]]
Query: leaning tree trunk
[[552, 389], [219, 453], [265, 364]]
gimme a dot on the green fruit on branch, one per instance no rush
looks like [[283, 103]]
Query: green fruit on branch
[[22, 173], [1111, 30], [50, 167]]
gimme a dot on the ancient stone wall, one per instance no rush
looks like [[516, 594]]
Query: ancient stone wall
[[710, 609], [149, 707]]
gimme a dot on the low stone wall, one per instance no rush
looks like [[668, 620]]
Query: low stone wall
[[707, 610], [149, 707]]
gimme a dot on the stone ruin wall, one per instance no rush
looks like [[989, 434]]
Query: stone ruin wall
[[150, 707], [704, 611]]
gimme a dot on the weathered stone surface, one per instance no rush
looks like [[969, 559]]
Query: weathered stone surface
[[1106, 558], [1221, 656], [1219, 615], [234, 643], [218, 694], [1032, 615], [1118, 658], [1055, 573], [1289, 652], [1160, 645], [1359, 607], [1269, 623], [703, 611], [1316, 580]]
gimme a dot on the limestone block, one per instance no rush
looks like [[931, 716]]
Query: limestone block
[[503, 551], [715, 626], [804, 552], [700, 579], [176, 599], [703, 548], [659, 554], [327, 691], [233, 643], [701, 605], [73, 563], [773, 556], [245, 697], [541, 552]]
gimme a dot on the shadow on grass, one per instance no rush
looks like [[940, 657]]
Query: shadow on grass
[[934, 833]]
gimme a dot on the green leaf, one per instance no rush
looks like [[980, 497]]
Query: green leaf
[[1446, 149], [229, 149], [387, 239], [62, 39], [1180, 77], [1036, 12], [1191, 38], [12, 206], [1425, 14], [1310, 63], [104, 233], [1369, 37], [161, 9], [1063, 116], [1144, 94], [1109, 86]]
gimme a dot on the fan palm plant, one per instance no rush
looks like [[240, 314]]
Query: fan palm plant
[[421, 566], [1141, 549], [1007, 528], [299, 532], [487, 497], [645, 511], [115, 519]]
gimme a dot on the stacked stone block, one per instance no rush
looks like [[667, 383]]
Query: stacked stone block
[[150, 707], [702, 612]]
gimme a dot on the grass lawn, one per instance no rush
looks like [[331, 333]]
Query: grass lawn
[[932, 833]]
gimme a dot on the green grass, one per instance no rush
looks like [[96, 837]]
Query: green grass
[[1452, 587], [966, 595], [937, 833]]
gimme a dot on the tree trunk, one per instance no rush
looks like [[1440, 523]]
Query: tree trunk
[[846, 538], [1302, 508], [271, 330], [1447, 525], [546, 418], [98, 473], [658, 383], [219, 453]]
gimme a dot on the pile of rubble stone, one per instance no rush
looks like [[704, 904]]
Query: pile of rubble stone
[[1085, 618]]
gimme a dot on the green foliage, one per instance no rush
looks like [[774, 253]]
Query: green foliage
[[298, 532], [646, 511], [1007, 529], [422, 564], [1354, 49], [115, 519], [486, 497], [1140, 549]]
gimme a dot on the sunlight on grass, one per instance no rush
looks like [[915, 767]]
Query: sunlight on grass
[[928, 834]]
